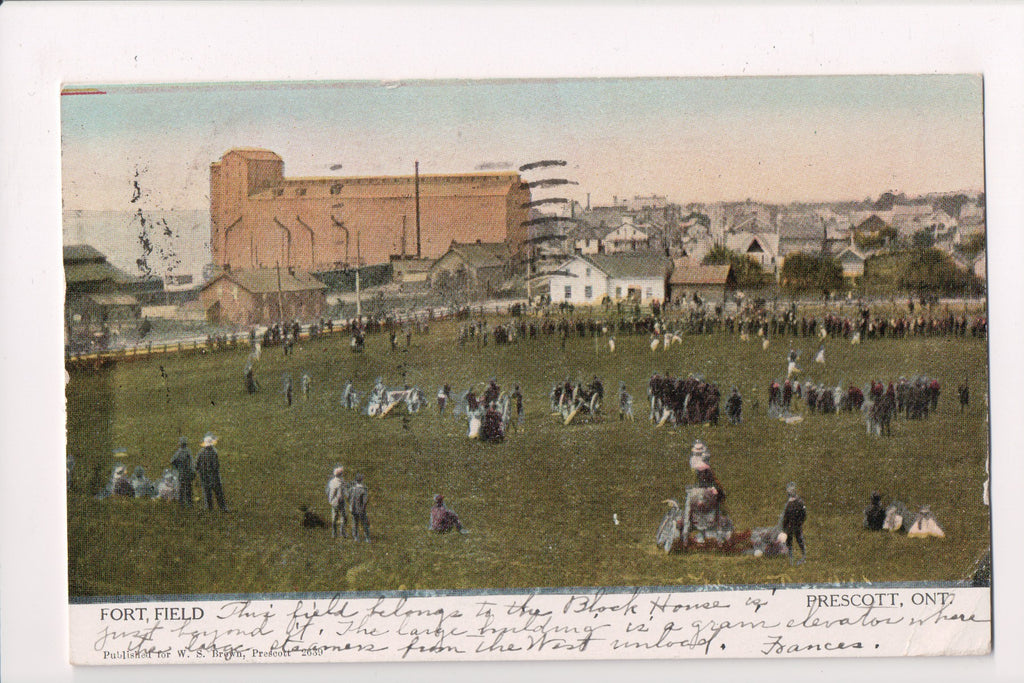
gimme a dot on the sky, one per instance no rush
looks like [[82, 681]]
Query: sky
[[777, 140]]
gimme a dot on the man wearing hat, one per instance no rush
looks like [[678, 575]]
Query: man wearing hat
[[337, 490], [792, 522], [208, 467], [182, 462]]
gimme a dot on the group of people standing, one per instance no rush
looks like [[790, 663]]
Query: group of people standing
[[348, 498], [688, 400], [207, 467]]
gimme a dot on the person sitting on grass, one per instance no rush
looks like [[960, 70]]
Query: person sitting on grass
[[925, 525], [167, 488], [142, 486], [874, 514], [119, 484], [443, 520]]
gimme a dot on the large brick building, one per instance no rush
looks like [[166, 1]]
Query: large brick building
[[260, 218]]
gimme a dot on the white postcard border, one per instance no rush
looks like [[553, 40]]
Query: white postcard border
[[97, 43]]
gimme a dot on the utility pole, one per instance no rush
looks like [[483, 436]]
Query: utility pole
[[417, 181], [403, 236], [280, 297], [359, 305]]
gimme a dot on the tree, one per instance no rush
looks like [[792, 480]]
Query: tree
[[973, 245], [748, 272], [809, 272], [931, 271], [922, 239], [951, 204]]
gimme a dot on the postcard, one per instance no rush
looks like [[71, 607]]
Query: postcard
[[569, 369]]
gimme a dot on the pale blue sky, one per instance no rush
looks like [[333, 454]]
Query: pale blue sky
[[770, 139]]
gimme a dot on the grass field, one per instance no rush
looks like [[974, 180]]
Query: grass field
[[539, 506]]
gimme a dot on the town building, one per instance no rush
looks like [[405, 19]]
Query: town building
[[480, 266], [763, 248], [689, 277], [589, 279], [589, 240], [627, 237], [260, 218], [263, 296], [410, 270], [852, 261], [100, 298]]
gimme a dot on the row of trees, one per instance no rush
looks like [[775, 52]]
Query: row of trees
[[918, 270]]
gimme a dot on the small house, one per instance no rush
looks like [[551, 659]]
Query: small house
[[263, 296], [690, 277]]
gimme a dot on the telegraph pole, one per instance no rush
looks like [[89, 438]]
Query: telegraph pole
[[359, 305], [417, 182], [280, 298], [403, 236]]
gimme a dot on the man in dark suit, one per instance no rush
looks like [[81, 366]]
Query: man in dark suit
[[792, 523], [208, 467]]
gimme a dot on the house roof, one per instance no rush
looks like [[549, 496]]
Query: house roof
[[799, 225], [412, 265], [113, 299], [741, 242], [687, 271], [627, 226], [92, 271], [480, 254], [851, 251], [265, 280], [617, 266], [589, 232], [75, 253]]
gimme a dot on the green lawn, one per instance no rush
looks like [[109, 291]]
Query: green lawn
[[539, 505]]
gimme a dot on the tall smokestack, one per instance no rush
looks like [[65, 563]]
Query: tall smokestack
[[417, 178]]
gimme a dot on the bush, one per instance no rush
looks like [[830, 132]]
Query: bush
[[807, 272]]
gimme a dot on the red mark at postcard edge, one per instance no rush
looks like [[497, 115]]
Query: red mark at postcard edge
[[82, 91]]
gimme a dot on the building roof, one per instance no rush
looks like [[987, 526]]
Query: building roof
[[851, 251], [93, 271], [75, 253], [113, 299], [480, 254], [412, 265], [799, 225], [687, 271], [340, 188], [743, 242], [585, 231], [254, 153], [265, 280], [633, 265], [874, 223]]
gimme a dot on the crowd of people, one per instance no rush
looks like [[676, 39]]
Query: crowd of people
[[175, 484], [683, 401], [690, 400]]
